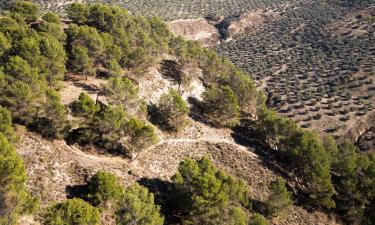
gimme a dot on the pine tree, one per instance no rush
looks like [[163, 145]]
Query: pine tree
[[6, 127], [139, 137], [15, 200], [137, 206], [221, 105], [206, 193], [72, 211], [81, 61], [54, 58], [104, 187], [121, 91], [172, 111], [84, 106], [280, 199]]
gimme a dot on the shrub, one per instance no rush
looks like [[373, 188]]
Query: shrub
[[258, 219]]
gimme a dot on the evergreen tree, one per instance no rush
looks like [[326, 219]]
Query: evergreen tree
[[14, 197], [81, 61], [51, 17], [52, 122], [221, 105], [20, 100], [78, 13], [280, 199], [139, 137], [104, 187], [172, 112], [54, 58], [122, 92], [137, 206], [72, 212], [84, 106], [26, 9], [206, 193], [5, 44], [237, 216], [18, 69], [6, 127]]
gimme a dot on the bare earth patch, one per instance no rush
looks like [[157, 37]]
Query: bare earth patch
[[196, 30]]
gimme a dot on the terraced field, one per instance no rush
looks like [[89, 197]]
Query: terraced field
[[177, 9], [316, 62]]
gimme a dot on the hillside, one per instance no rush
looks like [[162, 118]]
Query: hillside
[[246, 113]]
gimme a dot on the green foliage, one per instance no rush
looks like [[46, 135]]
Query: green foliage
[[258, 219], [104, 187], [85, 106], [81, 62], [54, 58], [78, 12], [5, 44], [19, 69], [244, 88], [208, 195], [15, 199], [330, 146], [140, 136], [304, 151], [237, 216], [72, 212], [221, 105], [172, 111], [280, 199], [51, 17], [137, 206], [51, 122], [122, 92], [55, 30], [20, 100], [26, 9], [6, 127]]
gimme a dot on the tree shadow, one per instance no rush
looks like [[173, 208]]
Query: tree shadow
[[164, 193], [88, 88], [259, 206], [77, 191]]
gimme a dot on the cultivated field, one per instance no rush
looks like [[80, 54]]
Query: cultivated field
[[316, 63], [176, 9]]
